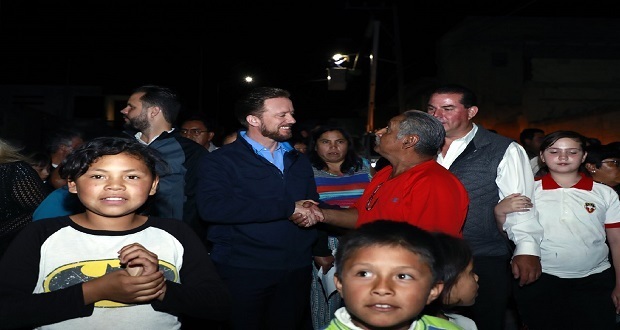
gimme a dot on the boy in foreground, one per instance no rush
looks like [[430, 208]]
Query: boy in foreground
[[109, 267], [386, 273]]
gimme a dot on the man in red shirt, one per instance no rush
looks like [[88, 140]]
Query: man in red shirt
[[413, 188]]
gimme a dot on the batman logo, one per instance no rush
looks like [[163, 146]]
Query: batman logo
[[84, 271]]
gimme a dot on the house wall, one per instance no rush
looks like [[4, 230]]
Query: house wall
[[551, 73]]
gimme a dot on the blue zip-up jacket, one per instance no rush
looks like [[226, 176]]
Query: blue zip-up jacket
[[176, 192], [246, 202]]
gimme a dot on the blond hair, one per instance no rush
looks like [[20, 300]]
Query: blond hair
[[10, 153]]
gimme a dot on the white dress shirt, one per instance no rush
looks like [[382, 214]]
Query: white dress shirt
[[514, 175]]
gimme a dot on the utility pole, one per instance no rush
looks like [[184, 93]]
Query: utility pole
[[399, 61], [370, 123]]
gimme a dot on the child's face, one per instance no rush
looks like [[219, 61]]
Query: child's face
[[465, 289], [385, 286], [43, 171], [114, 185], [301, 147], [564, 156]]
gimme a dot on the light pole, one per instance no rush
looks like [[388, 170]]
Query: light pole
[[337, 76], [374, 57]]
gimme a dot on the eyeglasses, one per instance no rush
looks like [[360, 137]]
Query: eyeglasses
[[192, 131], [614, 161], [372, 200]]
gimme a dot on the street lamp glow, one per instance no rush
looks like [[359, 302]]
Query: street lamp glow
[[248, 79], [339, 59]]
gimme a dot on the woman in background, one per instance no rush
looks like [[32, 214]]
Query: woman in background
[[21, 191], [341, 177], [602, 164]]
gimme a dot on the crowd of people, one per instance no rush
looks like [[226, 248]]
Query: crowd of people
[[159, 228]]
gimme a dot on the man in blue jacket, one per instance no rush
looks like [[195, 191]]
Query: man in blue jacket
[[247, 190], [151, 111]]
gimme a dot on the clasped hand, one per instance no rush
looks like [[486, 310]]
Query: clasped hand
[[307, 213], [141, 282]]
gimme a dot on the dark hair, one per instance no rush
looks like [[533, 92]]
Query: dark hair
[[40, 158], [428, 128], [161, 97], [298, 140], [468, 97], [253, 102], [552, 138], [598, 153], [615, 145], [208, 122], [78, 161], [457, 255], [528, 134], [395, 234], [228, 132], [592, 141], [62, 137], [352, 162]]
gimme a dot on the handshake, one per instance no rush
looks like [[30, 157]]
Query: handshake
[[307, 213]]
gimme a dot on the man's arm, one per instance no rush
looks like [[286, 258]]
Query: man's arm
[[228, 192], [344, 218], [613, 238], [514, 175]]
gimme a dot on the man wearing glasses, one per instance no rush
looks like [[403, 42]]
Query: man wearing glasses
[[198, 128], [413, 188], [603, 165]]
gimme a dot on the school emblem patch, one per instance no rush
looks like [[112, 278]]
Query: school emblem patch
[[590, 207]]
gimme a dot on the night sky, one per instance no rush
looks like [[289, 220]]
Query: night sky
[[203, 49]]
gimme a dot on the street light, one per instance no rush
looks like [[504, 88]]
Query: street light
[[340, 60], [338, 73]]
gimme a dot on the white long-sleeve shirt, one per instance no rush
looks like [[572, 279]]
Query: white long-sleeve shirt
[[514, 175]]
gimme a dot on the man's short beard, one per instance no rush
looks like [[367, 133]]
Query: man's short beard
[[139, 123], [127, 125], [276, 136]]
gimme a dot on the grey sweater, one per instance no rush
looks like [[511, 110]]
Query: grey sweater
[[476, 167]]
